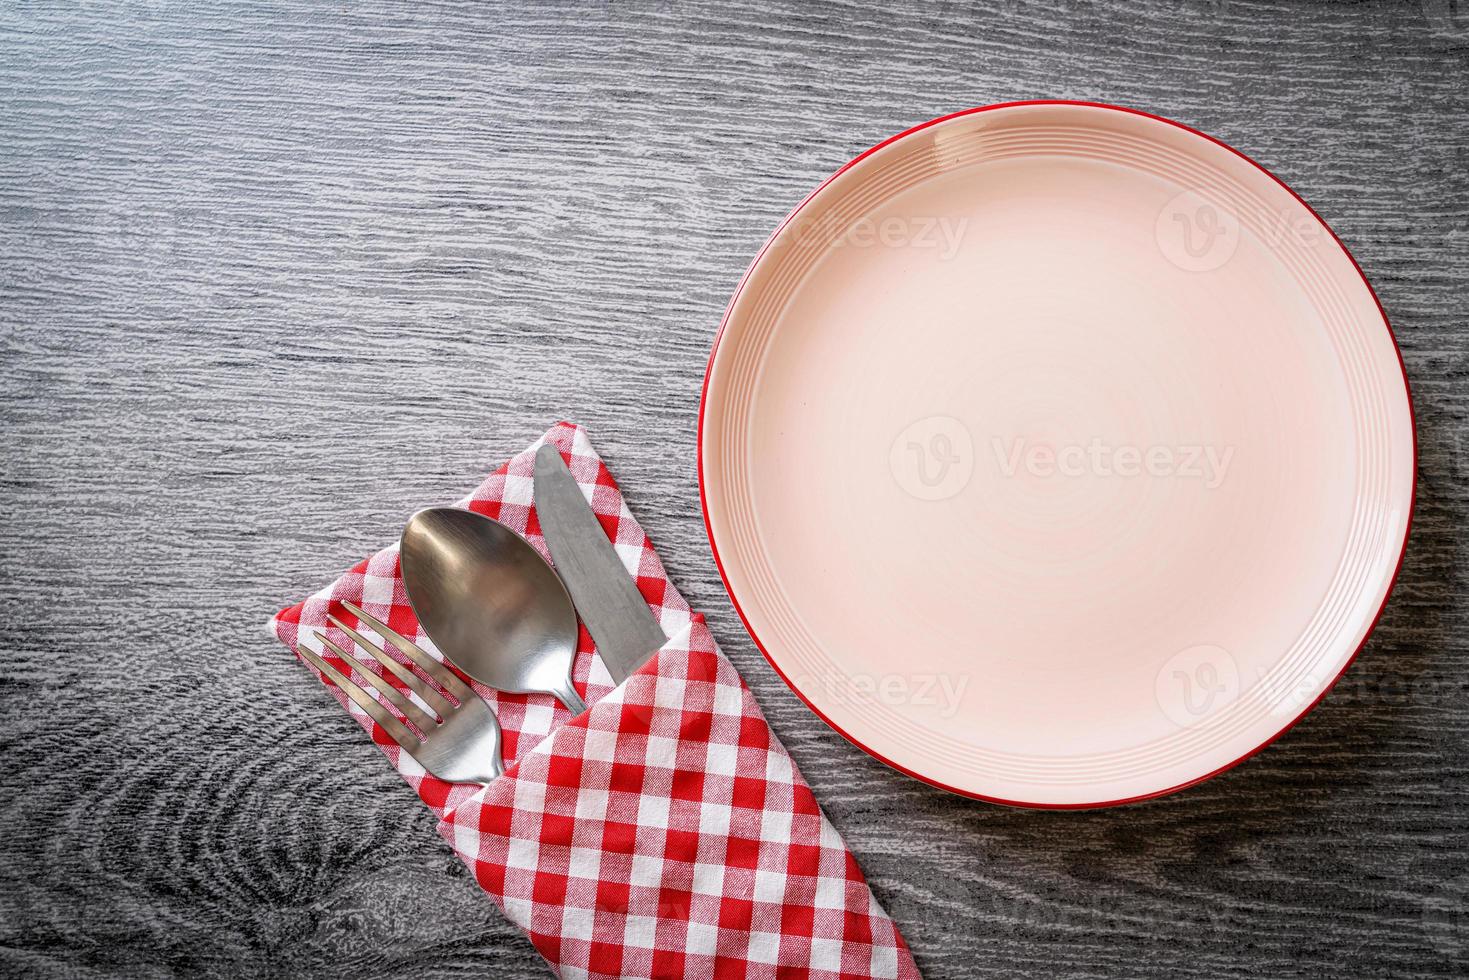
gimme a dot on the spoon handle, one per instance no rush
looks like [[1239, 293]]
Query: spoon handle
[[566, 694]]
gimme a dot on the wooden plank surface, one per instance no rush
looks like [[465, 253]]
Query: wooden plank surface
[[273, 277]]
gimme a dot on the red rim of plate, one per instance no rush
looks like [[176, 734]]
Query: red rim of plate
[[719, 563]]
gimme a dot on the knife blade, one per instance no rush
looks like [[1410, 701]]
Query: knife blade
[[606, 597]]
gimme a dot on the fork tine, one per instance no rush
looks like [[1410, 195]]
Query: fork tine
[[429, 665], [437, 702], [415, 715], [395, 728]]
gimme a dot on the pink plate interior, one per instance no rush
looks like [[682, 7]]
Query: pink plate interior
[[1057, 454]]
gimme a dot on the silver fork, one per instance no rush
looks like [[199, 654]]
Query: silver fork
[[458, 743]]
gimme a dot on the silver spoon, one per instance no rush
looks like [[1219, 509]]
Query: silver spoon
[[490, 603]]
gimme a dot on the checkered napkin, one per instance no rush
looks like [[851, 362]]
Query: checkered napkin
[[665, 832]]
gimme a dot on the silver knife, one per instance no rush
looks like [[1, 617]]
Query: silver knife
[[615, 612]]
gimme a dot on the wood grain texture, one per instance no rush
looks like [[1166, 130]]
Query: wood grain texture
[[273, 277]]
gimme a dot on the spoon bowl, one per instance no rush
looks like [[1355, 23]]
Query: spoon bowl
[[491, 603]]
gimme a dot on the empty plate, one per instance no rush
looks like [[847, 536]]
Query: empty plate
[[1056, 454]]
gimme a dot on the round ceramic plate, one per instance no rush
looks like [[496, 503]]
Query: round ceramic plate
[[1056, 454]]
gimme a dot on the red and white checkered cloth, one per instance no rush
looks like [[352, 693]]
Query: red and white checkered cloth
[[665, 832]]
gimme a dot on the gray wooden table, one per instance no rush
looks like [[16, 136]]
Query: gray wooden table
[[271, 278]]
